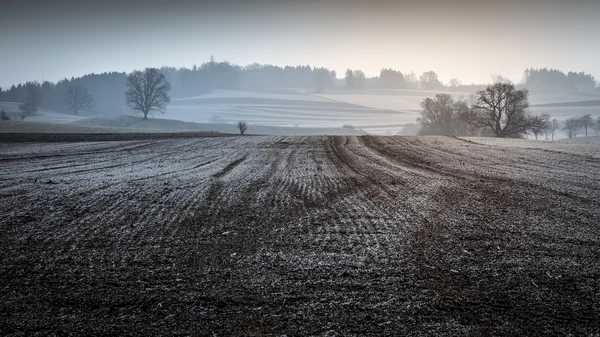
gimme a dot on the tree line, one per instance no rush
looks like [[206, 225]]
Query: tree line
[[499, 110], [553, 80], [103, 93], [574, 125]]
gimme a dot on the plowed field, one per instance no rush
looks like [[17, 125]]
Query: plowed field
[[299, 236]]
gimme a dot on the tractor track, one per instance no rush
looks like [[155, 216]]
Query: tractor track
[[299, 236]]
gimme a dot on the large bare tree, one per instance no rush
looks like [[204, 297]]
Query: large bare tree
[[148, 91], [77, 98], [502, 110]]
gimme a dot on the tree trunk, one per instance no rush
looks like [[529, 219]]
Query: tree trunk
[[145, 114]]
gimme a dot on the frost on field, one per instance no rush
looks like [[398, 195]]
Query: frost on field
[[228, 234]]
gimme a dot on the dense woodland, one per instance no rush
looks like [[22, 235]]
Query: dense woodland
[[107, 89], [554, 80]]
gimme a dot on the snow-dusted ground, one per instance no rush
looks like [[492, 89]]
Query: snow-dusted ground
[[294, 235], [589, 139], [572, 146], [285, 109], [562, 97], [399, 100]]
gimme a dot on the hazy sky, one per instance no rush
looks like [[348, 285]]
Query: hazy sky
[[465, 39]]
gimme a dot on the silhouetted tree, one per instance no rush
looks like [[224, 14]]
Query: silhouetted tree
[[429, 81], [572, 127], [391, 79], [554, 80], [412, 82], [360, 80], [442, 114], [454, 83], [242, 126], [542, 128], [501, 109], [77, 98], [4, 116], [31, 101], [587, 122], [349, 79], [148, 91], [323, 78]]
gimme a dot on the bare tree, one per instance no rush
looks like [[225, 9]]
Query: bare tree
[[360, 80], [77, 98], [587, 122], [441, 116], [32, 100], [502, 110], [572, 127], [242, 126], [429, 81], [148, 91], [542, 128], [349, 79], [412, 82], [454, 83]]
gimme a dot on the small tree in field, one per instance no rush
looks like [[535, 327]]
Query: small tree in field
[[77, 98], [242, 126], [148, 91]]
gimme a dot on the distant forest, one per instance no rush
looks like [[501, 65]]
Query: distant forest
[[108, 88]]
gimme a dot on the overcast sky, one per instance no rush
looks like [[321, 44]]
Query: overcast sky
[[463, 39]]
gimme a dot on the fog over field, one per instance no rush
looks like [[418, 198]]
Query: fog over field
[[286, 64], [299, 168]]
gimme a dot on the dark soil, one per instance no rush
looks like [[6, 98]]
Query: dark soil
[[100, 137], [235, 236]]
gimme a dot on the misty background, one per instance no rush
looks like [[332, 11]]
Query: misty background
[[285, 63]]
